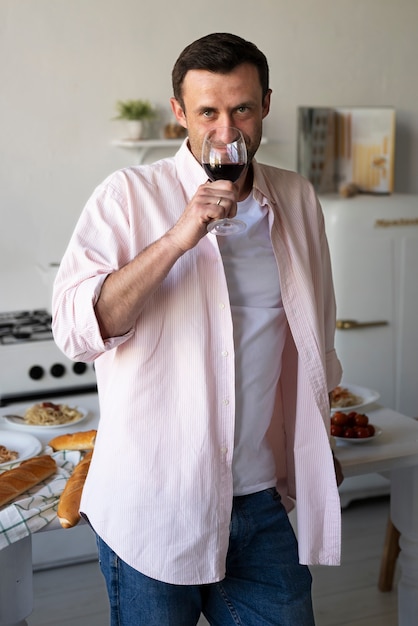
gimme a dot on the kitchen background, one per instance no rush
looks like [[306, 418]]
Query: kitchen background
[[65, 63]]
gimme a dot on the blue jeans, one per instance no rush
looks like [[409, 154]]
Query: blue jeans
[[264, 583]]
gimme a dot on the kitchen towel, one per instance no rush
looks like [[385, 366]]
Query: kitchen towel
[[37, 507]]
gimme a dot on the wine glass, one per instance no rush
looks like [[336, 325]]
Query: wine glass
[[224, 157]]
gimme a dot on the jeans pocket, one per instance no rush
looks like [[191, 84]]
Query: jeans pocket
[[272, 491]]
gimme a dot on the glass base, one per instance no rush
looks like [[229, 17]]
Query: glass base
[[226, 226]]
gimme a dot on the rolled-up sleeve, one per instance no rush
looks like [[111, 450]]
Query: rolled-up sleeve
[[93, 253]]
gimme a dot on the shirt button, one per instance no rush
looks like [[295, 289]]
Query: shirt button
[[226, 401], [221, 305], [224, 450], [224, 352]]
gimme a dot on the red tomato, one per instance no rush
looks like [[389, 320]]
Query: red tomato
[[336, 430], [349, 433], [371, 429], [339, 418], [361, 419], [362, 432], [50, 405]]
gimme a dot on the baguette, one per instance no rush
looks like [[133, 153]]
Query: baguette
[[16, 481], [69, 504], [82, 440]]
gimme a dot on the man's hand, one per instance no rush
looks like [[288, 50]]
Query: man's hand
[[212, 201]]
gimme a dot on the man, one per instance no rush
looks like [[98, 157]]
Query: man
[[214, 360]]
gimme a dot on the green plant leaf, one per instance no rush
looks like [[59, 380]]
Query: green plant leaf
[[135, 110]]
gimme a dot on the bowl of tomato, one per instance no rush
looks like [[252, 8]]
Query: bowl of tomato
[[352, 427]]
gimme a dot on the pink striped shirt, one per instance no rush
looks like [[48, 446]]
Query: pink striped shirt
[[159, 490]]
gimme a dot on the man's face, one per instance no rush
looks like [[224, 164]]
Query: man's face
[[213, 99]]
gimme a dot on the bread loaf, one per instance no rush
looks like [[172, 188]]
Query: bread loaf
[[16, 481], [69, 504], [82, 440]]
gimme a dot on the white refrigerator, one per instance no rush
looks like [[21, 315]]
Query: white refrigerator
[[373, 243]]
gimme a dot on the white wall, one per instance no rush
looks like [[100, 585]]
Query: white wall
[[64, 63]]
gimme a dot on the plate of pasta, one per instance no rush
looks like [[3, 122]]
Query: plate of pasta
[[45, 415], [352, 397], [16, 447]]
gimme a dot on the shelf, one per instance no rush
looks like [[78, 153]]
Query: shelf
[[143, 146]]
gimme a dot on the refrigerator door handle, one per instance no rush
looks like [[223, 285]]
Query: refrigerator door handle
[[354, 324]]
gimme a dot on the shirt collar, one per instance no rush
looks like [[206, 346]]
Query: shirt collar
[[261, 189], [190, 172]]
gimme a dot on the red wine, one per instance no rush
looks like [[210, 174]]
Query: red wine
[[224, 171]]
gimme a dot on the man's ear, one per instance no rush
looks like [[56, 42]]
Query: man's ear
[[266, 103], [178, 112]]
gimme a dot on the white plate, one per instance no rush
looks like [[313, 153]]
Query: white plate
[[20, 409], [25, 445], [367, 397], [377, 434]]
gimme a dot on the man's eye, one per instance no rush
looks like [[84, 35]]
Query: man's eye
[[242, 109], [208, 113]]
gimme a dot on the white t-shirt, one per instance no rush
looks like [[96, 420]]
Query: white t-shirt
[[259, 333]]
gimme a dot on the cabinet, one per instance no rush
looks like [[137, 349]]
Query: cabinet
[[373, 243], [374, 251]]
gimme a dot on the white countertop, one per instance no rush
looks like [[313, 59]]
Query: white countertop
[[395, 448]]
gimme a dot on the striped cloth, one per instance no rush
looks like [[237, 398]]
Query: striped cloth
[[37, 507]]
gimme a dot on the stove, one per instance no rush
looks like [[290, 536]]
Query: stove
[[31, 365], [24, 326]]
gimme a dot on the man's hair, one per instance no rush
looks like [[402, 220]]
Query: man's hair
[[220, 53]]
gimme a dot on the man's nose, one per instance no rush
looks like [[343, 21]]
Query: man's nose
[[225, 118], [226, 133]]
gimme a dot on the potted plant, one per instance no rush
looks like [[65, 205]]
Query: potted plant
[[135, 112]]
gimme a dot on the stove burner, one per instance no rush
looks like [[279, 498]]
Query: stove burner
[[25, 326]]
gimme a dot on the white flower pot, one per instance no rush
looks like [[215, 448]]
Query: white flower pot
[[135, 129]]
